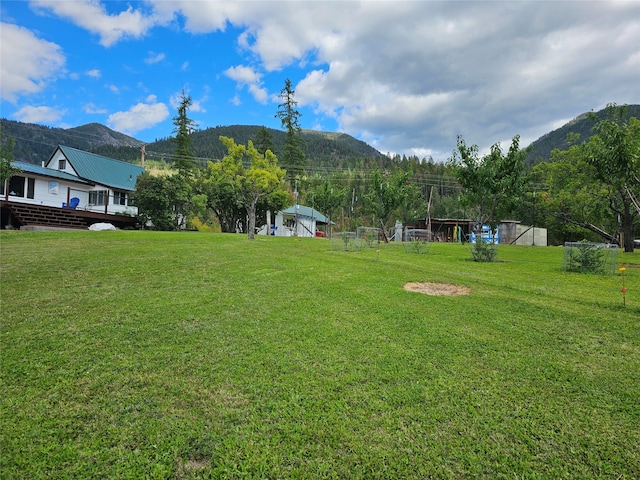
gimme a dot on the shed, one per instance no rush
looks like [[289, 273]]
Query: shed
[[297, 220]]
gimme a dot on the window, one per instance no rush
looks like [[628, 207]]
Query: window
[[16, 186], [62, 164], [98, 197], [119, 198], [31, 187]]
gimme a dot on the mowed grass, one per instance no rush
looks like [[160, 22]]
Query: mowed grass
[[190, 355]]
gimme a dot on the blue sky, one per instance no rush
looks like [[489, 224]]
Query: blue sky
[[406, 77]]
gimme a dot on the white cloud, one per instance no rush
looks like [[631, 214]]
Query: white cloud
[[92, 16], [28, 62], [92, 109], [43, 115], [154, 58], [139, 117], [95, 73], [242, 74], [406, 75], [414, 75], [113, 88], [247, 76], [197, 105], [201, 16]]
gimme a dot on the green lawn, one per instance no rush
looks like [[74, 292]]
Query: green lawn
[[191, 355]]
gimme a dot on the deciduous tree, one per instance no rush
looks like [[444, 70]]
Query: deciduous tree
[[614, 153], [164, 201], [386, 193], [492, 184], [153, 202], [234, 185], [327, 199], [595, 185], [221, 185], [569, 199]]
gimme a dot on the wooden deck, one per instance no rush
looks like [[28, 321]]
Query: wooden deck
[[20, 215]]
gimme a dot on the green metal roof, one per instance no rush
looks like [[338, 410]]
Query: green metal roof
[[48, 172], [305, 212], [103, 170]]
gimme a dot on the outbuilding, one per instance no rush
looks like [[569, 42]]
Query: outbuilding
[[298, 220]]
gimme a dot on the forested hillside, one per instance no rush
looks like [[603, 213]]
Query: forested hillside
[[322, 148], [582, 125], [342, 167], [35, 143]]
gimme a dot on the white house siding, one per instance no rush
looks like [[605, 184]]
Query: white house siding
[[54, 162], [306, 227], [53, 192], [111, 208], [48, 192], [287, 227]]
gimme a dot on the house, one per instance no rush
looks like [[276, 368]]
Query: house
[[298, 220], [73, 189]]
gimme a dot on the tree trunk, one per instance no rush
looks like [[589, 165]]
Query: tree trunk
[[251, 213], [627, 231]]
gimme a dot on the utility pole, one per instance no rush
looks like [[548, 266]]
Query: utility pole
[[534, 219], [143, 152]]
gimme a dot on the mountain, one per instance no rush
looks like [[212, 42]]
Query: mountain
[[322, 148], [557, 139], [35, 143]]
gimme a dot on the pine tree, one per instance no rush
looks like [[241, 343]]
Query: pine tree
[[293, 156], [264, 141], [184, 126], [6, 157]]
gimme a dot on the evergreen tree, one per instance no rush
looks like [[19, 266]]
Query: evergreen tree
[[6, 157], [292, 156], [184, 126], [264, 141]]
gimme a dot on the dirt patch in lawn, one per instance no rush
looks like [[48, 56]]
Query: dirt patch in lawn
[[437, 289]]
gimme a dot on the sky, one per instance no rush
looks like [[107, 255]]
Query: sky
[[406, 77]]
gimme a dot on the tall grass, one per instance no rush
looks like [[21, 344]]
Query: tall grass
[[192, 355]]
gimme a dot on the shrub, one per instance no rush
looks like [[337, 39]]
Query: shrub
[[587, 257], [483, 252]]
